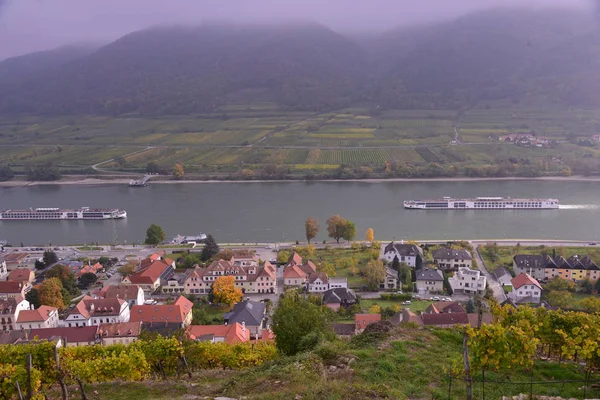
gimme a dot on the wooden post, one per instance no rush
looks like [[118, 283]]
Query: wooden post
[[19, 390], [83, 396], [450, 387], [29, 388], [61, 378], [162, 370], [187, 367], [467, 367], [531, 385]]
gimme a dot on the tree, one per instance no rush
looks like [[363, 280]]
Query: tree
[[87, 279], [311, 227], [294, 319], [225, 254], [39, 264], [178, 171], [396, 264], [49, 258], [405, 274], [211, 248], [154, 235], [152, 168], [374, 274], [328, 268], [6, 173], [33, 298], [225, 292], [586, 286], [558, 283], [597, 286], [336, 226], [127, 269], [370, 235], [375, 309], [591, 304], [560, 298], [470, 307], [50, 293], [349, 232], [283, 256], [65, 276]]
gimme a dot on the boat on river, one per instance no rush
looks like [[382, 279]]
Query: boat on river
[[483, 203], [83, 213]]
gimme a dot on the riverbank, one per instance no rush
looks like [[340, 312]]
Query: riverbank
[[94, 181]]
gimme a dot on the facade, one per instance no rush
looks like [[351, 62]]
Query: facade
[[152, 270], [339, 297], [119, 333], [14, 260], [297, 273], [250, 279], [10, 309], [24, 275], [410, 254], [232, 333], [40, 318], [468, 281], [338, 283], [430, 281], [3, 269], [390, 281], [361, 321], [503, 276], [179, 313], [67, 336], [452, 259], [93, 312], [526, 289], [9, 289], [175, 284], [132, 294], [251, 314], [543, 267], [318, 282]]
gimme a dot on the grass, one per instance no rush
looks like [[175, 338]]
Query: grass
[[415, 306], [342, 259]]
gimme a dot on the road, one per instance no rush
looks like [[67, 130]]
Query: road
[[491, 279]]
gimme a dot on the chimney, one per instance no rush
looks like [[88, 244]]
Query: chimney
[[31, 307], [92, 307], [244, 325]]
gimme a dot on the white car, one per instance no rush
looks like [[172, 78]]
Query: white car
[[273, 261], [435, 298], [447, 299], [406, 303]]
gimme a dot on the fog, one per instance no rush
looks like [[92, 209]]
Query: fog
[[33, 25]]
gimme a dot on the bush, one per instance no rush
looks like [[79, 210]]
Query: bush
[[329, 352], [395, 296], [310, 341]]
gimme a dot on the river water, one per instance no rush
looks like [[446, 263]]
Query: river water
[[259, 212]]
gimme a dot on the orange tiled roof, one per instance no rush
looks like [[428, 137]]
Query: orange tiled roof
[[20, 275], [11, 287], [233, 333], [524, 279], [162, 313], [151, 273], [38, 315], [121, 329], [293, 271]]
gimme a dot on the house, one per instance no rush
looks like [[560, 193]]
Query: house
[[391, 279], [24, 275], [243, 259], [93, 312], [119, 333], [14, 260], [532, 264], [251, 314], [343, 330], [232, 333], [338, 283], [543, 267], [152, 270], [411, 254], [42, 317], [596, 138], [526, 289], [452, 259], [441, 320], [10, 309], [132, 294], [295, 259], [10, 289], [175, 284], [444, 307], [179, 312], [3, 269], [13, 337], [467, 280], [68, 336], [298, 274], [406, 316], [361, 321], [503, 276], [250, 279], [318, 282], [445, 320], [89, 269], [339, 297], [430, 280]]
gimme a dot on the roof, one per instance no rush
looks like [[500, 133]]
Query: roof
[[232, 333], [338, 280], [444, 307], [78, 334], [501, 271], [406, 316], [121, 329], [12, 337], [446, 253], [524, 279], [486, 318], [20, 275], [404, 249], [343, 329], [295, 259], [41, 314], [531, 260], [338, 295], [445, 319], [293, 271], [429, 274], [92, 269], [318, 275], [175, 313], [250, 312], [151, 273], [89, 307], [15, 257], [161, 328], [125, 292], [10, 304], [368, 318], [11, 287]]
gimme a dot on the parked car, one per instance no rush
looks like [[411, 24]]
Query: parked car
[[273, 260], [406, 303], [447, 299], [593, 244], [435, 298], [416, 297]]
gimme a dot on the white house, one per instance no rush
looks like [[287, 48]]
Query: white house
[[503, 276], [3, 270], [430, 280], [452, 259], [42, 317], [338, 283], [10, 310], [318, 282], [93, 312], [410, 254], [526, 289], [391, 279], [467, 280]]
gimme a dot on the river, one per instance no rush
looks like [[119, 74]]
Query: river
[[275, 211]]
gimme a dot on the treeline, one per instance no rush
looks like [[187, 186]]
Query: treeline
[[156, 358]]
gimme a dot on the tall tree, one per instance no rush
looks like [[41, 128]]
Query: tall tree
[[294, 319], [370, 235], [560, 298], [211, 248], [336, 226], [396, 264], [65, 276], [374, 274], [50, 293], [49, 257], [225, 292], [178, 171], [470, 307], [33, 298], [311, 227], [349, 231], [154, 235], [127, 269], [87, 279]]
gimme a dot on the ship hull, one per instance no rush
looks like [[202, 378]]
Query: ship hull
[[55, 214], [482, 203]]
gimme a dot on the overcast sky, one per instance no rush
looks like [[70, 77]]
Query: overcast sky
[[32, 25]]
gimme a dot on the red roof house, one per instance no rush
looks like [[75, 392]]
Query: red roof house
[[180, 312]]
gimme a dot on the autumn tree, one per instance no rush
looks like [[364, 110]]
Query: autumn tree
[[558, 283], [590, 304], [50, 293], [225, 292], [370, 235], [210, 249], [375, 309], [154, 235], [311, 227], [349, 232], [225, 254], [178, 171], [127, 269], [66, 278], [328, 268], [336, 226], [560, 298], [283, 256], [374, 274]]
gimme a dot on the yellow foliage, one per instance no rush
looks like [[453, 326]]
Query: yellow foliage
[[370, 235], [375, 309], [225, 292]]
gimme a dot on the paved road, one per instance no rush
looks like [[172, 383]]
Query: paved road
[[491, 279]]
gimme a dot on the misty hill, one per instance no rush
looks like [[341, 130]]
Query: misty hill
[[499, 54], [180, 70]]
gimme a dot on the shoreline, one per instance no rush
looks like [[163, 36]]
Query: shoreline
[[95, 182]]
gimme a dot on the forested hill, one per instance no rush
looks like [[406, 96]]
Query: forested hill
[[480, 57]]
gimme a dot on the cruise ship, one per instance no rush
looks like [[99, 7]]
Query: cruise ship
[[62, 214], [482, 203]]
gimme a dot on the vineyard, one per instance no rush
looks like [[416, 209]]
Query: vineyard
[[428, 155]]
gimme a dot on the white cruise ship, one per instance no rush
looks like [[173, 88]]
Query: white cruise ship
[[482, 203], [62, 214]]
